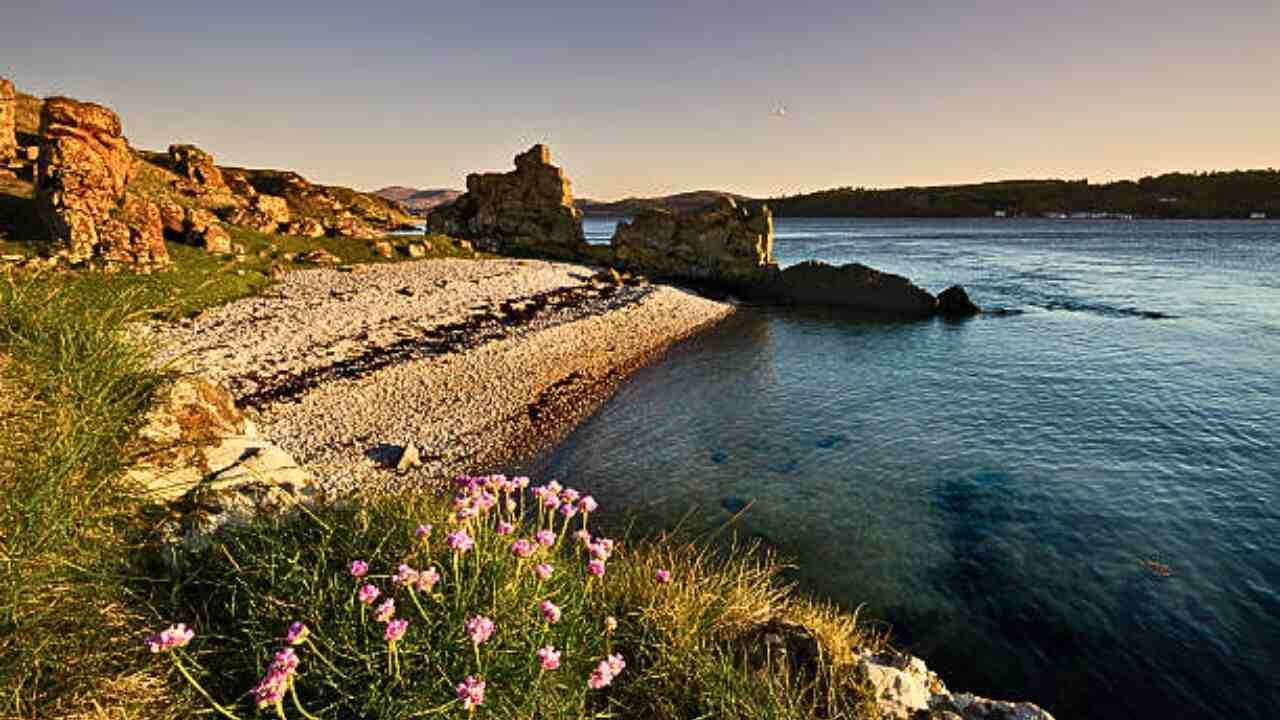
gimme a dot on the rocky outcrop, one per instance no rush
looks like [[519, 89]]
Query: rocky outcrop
[[954, 302], [306, 227], [8, 122], [197, 166], [905, 689], [265, 213], [200, 456], [527, 211], [852, 286], [722, 243], [85, 165], [348, 225]]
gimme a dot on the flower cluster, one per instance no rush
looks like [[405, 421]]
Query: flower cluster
[[606, 671], [270, 690], [175, 636]]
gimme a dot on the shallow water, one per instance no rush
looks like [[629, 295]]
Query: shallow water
[[993, 488]]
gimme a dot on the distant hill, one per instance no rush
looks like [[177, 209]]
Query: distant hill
[[1232, 194], [417, 201], [678, 203]]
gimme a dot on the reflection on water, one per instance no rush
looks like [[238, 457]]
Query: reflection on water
[[992, 488]]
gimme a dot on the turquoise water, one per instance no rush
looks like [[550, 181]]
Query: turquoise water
[[992, 489]]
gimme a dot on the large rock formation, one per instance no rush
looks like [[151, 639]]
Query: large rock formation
[[8, 122], [528, 210], [854, 286], [196, 165], [723, 243], [85, 164]]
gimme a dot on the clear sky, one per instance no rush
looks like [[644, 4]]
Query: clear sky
[[639, 98]]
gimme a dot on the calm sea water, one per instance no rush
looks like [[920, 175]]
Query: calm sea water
[[993, 489]]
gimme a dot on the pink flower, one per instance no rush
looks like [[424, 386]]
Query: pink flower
[[616, 664], [297, 634], [602, 548], [596, 568], [285, 661], [359, 568], [485, 501], [368, 594], [545, 537], [385, 611], [405, 575], [521, 482], [605, 672], [422, 532], [480, 628], [466, 513], [570, 496], [610, 624], [505, 528], [471, 692], [549, 657], [543, 570], [459, 541], [587, 504], [175, 636], [662, 576], [270, 689], [568, 510], [522, 548], [583, 537], [550, 611], [395, 629], [427, 579]]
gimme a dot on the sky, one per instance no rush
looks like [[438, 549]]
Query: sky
[[648, 98]]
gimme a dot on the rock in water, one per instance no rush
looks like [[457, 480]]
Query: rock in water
[[8, 121], [85, 165], [955, 302], [409, 458], [528, 210], [723, 244], [855, 286]]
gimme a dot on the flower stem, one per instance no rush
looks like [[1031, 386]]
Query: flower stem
[[182, 669], [293, 693]]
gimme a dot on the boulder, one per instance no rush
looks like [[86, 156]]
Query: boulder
[[274, 208], [195, 165], [213, 238], [384, 249], [955, 302], [306, 227], [320, 257], [85, 164], [723, 244], [348, 225], [853, 286], [905, 689], [173, 219], [526, 211], [8, 121]]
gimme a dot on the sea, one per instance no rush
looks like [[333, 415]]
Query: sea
[[1074, 502]]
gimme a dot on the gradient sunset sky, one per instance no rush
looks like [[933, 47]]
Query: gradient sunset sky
[[645, 98]]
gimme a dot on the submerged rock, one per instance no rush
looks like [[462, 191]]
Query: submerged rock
[[955, 302], [854, 286], [528, 210]]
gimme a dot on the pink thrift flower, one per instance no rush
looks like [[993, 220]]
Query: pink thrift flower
[[662, 576], [587, 504], [549, 657], [471, 692], [459, 541], [405, 575], [270, 689], [466, 513], [485, 501], [545, 537], [521, 482], [427, 579], [285, 661], [395, 629], [385, 611], [600, 677], [297, 634], [551, 500], [368, 594], [505, 528], [175, 636], [480, 629], [616, 664], [550, 611], [568, 510], [522, 548], [422, 532], [359, 568], [596, 568], [583, 537], [570, 496], [610, 624], [543, 570]]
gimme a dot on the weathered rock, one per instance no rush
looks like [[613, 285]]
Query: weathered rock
[[905, 689], [239, 185], [416, 250], [8, 121], [384, 249], [275, 209], [306, 227], [528, 210], [955, 302], [195, 165], [321, 257], [213, 238], [173, 219], [85, 164], [722, 244], [410, 458], [353, 227], [854, 286]]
